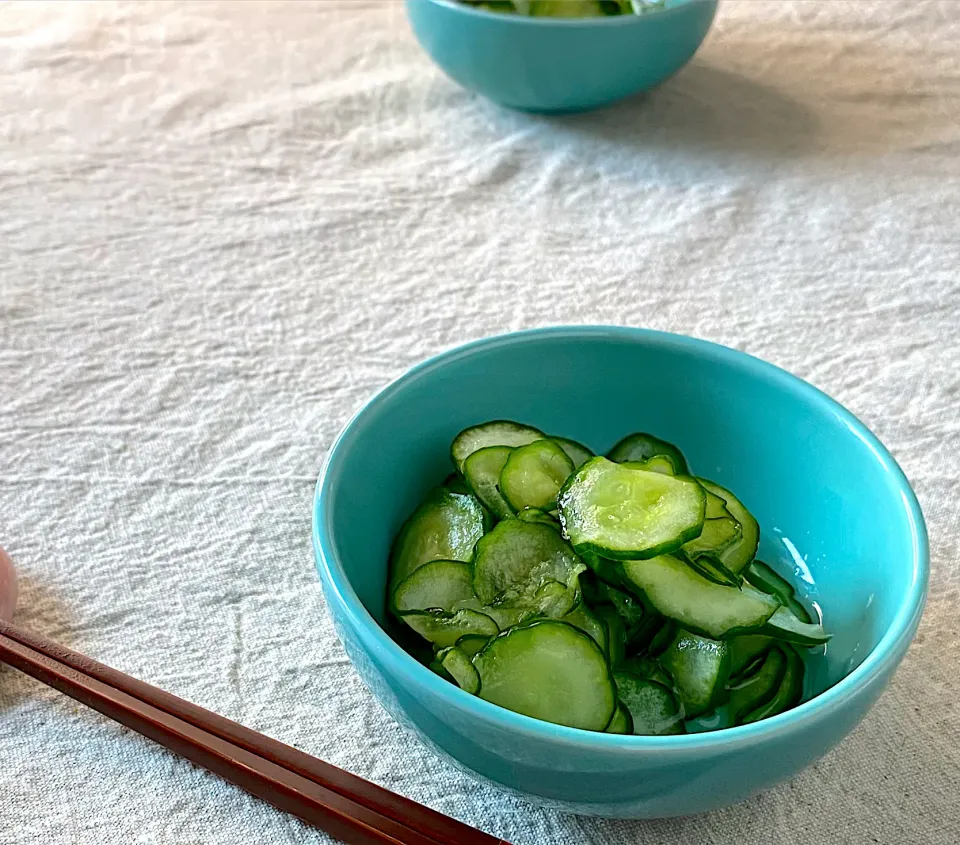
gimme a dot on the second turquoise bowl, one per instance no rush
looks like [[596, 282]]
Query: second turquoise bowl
[[559, 64], [834, 509]]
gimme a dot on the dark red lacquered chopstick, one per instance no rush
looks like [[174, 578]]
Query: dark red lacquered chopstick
[[342, 804]]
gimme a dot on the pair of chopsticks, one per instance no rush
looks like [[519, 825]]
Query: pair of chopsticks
[[344, 805]]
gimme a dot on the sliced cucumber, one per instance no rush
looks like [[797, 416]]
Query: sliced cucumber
[[515, 559], [783, 625], [764, 578], [745, 650], [438, 585], [577, 452], [537, 515], [625, 513], [445, 527], [715, 538], [788, 694], [658, 463], [640, 447], [482, 473], [758, 688], [472, 644], [649, 669], [573, 8], [605, 570], [616, 637], [496, 433], [653, 707], [621, 723], [444, 629], [699, 667], [581, 617], [460, 667], [631, 610], [662, 637], [697, 604], [738, 556], [717, 507], [551, 671], [533, 475]]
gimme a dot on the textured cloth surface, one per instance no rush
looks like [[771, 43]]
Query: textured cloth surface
[[224, 225]]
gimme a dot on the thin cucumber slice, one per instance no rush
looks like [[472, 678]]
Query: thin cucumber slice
[[616, 635], [711, 569], [443, 630], [764, 578], [445, 527], [629, 514], [641, 446], [788, 694], [642, 638], [631, 610], [653, 707], [738, 556], [696, 603], [662, 637], [717, 507], [573, 8], [621, 723], [438, 585], [460, 667], [605, 570], [715, 538], [516, 558], [759, 687], [551, 671], [496, 433], [537, 515], [658, 463], [577, 452], [437, 667], [649, 669], [482, 473], [533, 475], [745, 650], [783, 625], [472, 644], [581, 617], [699, 667]]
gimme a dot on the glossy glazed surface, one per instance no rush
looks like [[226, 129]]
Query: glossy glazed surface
[[556, 64], [834, 509]]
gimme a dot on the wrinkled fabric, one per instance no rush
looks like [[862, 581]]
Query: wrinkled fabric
[[224, 225]]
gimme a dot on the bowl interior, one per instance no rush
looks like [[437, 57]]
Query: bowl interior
[[830, 502]]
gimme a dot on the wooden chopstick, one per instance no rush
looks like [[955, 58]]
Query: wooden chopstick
[[344, 805]]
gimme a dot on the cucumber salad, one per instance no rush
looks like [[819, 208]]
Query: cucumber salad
[[568, 8], [618, 594]]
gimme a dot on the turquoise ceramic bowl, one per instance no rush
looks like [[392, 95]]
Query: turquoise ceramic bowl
[[833, 506], [557, 64]]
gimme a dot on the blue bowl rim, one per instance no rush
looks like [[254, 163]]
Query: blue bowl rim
[[598, 21], [375, 638]]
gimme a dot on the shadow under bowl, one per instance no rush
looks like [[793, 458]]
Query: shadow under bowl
[[834, 509]]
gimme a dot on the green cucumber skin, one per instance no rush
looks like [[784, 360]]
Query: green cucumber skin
[[765, 578], [691, 625], [512, 487], [519, 433], [641, 446], [585, 641], [577, 452], [473, 468], [458, 545]]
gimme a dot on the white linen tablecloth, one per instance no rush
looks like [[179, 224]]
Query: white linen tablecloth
[[224, 225]]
